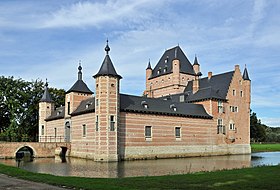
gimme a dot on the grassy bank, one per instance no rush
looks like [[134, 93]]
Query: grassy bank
[[266, 177], [265, 147]]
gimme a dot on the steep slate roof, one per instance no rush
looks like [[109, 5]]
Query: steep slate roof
[[107, 68], [59, 113], [86, 106], [214, 88], [170, 55], [46, 96], [129, 103], [79, 85]]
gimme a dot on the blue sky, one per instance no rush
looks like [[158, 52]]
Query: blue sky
[[46, 39]]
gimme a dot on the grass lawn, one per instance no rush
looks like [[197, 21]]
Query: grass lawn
[[265, 147], [266, 177]]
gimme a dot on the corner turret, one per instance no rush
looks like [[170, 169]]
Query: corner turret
[[46, 107], [107, 110]]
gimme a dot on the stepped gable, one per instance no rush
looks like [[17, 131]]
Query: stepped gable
[[165, 62]]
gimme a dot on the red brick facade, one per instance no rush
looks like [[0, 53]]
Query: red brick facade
[[110, 134]]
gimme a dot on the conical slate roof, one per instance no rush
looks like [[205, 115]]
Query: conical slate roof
[[245, 74], [46, 96], [149, 65], [195, 61], [107, 68], [79, 85]]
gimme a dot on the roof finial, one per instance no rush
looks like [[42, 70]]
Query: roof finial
[[80, 71], [149, 65], [107, 48], [175, 52], [46, 85]]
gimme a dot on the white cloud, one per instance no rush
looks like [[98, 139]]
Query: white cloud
[[271, 122], [87, 13]]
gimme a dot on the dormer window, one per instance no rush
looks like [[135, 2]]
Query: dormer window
[[144, 104], [173, 107], [88, 104], [159, 71], [166, 60], [165, 69], [58, 113]]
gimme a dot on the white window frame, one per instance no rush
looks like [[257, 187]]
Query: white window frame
[[148, 137], [180, 133]]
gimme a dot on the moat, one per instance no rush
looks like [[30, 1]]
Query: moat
[[89, 168]]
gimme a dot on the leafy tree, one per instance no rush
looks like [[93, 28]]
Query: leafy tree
[[19, 101], [257, 130]]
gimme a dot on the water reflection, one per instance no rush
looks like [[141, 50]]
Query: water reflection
[[265, 158], [89, 168]]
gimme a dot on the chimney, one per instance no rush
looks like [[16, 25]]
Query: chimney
[[236, 67], [209, 75], [195, 85]]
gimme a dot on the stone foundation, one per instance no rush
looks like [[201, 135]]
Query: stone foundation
[[151, 152]]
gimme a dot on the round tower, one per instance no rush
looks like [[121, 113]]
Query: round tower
[[46, 107]]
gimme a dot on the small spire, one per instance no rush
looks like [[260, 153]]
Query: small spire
[[107, 48], [80, 75], [149, 65], [245, 74], [195, 61], [46, 96], [46, 84]]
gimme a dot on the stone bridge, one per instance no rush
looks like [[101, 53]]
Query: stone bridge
[[37, 149]]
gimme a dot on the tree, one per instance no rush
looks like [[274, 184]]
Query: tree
[[257, 130], [19, 101]]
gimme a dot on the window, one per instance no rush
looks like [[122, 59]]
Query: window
[[97, 102], [233, 92], [241, 93], [43, 130], [220, 127], [112, 123], [220, 107], [173, 107], [178, 132], [84, 130], [55, 133], [96, 123], [148, 131], [233, 108], [182, 98], [164, 70], [231, 126], [68, 108]]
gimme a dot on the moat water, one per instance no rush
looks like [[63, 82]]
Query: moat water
[[89, 168]]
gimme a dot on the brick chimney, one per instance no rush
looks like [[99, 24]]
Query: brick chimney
[[195, 84], [209, 75]]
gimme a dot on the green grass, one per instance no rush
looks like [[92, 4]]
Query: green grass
[[266, 177], [265, 147]]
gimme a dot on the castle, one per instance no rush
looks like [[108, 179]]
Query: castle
[[180, 113]]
